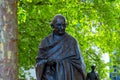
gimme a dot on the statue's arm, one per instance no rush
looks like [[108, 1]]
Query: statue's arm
[[87, 77], [40, 65], [98, 77], [79, 60]]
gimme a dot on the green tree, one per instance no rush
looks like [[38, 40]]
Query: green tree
[[94, 23], [8, 40]]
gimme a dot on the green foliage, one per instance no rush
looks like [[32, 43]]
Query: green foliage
[[94, 23]]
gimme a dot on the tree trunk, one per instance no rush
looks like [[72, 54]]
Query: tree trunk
[[8, 40]]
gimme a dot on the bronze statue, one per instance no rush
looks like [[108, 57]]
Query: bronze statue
[[59, 57], [92, 75]]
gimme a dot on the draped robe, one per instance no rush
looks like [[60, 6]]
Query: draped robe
[[69, 64]]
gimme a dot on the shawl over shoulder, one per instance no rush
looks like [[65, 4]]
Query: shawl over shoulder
[[69, 63]]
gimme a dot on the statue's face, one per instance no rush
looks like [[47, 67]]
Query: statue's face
[[59, 26], [93, 67]]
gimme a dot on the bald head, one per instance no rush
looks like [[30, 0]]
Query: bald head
[[93, 67], [58, 16], [59, 24]]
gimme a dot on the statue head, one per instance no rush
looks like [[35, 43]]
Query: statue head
[[59, 24], [93, 67]]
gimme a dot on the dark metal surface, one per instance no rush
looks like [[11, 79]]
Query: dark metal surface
[[59, 57], [92, 75]]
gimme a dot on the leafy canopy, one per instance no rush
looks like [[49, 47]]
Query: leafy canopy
[[94, 23]]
